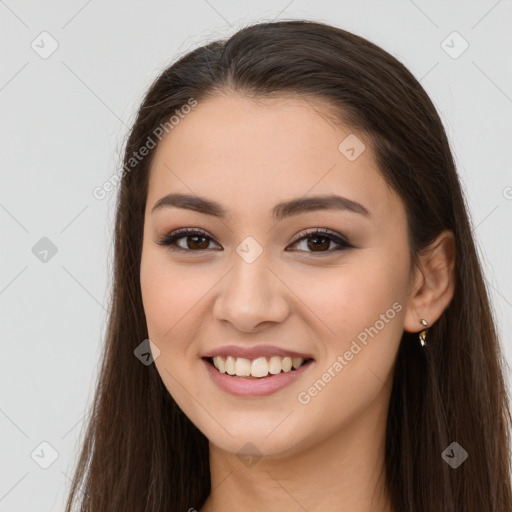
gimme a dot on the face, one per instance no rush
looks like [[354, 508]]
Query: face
[[328, 282]]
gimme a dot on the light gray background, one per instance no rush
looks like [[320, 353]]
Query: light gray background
[[63, 123]]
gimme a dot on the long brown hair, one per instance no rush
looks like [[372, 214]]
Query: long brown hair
[[141, 453]]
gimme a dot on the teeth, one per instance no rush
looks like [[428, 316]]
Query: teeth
[[275, 365], [259, 367], [286, 364], [297, 361], [230, 365], [243, 367], [220, 364]]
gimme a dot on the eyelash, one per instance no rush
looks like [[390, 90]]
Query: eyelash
[[170, 239]]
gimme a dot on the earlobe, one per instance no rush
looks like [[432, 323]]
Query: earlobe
[[434, 285]]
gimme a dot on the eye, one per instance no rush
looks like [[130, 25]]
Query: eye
[[197, 236], [321, 238]]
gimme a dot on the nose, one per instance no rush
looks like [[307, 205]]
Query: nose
[[251, 295]]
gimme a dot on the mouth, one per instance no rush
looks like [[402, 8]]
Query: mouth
[[256, 378], [258, 368]]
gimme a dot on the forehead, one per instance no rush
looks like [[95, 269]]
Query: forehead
[[250, 155]]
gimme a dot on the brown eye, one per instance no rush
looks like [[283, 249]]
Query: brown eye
[[196, 241], [195, 244], [318, 241]]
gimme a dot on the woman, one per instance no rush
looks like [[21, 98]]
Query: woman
[[299, 319]]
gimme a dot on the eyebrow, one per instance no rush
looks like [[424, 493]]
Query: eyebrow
[[278, 212]]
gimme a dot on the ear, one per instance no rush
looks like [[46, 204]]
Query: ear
[[433, 284]]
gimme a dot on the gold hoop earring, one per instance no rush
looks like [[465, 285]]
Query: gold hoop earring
[[423, 334]]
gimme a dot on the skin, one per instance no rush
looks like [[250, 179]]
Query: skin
[[327, 454]]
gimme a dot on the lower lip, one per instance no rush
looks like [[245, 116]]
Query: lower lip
[[260, 386]]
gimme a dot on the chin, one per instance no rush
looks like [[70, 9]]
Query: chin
[[256, 442]]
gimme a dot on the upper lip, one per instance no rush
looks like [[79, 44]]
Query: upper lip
[[254, 352]]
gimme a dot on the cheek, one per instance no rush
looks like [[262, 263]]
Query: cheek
[[175, 301], [159, 292], [156, 295], [362, 304], [351, 297], [166, 294], [171, 305]]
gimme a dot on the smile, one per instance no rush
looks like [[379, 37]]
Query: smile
[[259, 367], [255, 377]]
